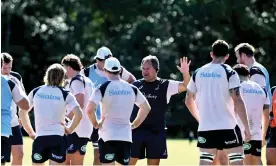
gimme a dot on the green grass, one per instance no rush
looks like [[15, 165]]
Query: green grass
[[180, 153]]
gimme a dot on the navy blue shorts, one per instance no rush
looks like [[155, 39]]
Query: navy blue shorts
[[52, 147], [94, 138], [151, 145], [75, 143], [253, 147], [111, 151], [271, 143], [5, 149], [220, 139], [16, 138]]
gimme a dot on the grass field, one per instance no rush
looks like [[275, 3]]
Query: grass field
[[180, 153]]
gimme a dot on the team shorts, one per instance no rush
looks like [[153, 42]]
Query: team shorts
[[253, 147], [111, 151], [51, 147], [75, 143], [220, 139], [5, 149], [148, 144], [271, 143]]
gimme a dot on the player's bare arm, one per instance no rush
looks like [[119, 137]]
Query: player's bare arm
[[26, 123], [131, 79], [191, 105], [76, 120], [142, 114], [91, 112], [240, 109], [184, 69]]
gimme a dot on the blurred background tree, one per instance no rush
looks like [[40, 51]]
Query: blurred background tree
[[39, 33]]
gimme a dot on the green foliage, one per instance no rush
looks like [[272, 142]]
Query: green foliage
[[39, 33]]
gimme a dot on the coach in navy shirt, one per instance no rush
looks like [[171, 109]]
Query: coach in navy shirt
[[150, 137]]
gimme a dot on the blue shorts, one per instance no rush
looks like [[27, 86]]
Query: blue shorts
[[16, 138], [51, 147], [94, 138], [148, 144], [111, 151], [75, 143], [5, 149], [253, 147]]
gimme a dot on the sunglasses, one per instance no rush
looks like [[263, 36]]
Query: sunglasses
[[106, 57]]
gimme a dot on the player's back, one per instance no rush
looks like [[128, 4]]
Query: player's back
[[118, 100], [254, 97], [49, 109], [216, 109], [117, 105]]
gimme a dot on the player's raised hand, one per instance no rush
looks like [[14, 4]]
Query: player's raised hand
[[184, 65]]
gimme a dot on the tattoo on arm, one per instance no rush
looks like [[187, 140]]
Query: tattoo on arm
[[192, 94], [266, 106], [236, 91]]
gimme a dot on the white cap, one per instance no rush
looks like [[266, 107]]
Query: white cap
[[112, 64], [103, 53]]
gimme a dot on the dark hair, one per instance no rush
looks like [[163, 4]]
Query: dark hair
[[7, 58], [242, 70], [220, 48], [245, 48], [73, 61], [2, 60], [154, 61]]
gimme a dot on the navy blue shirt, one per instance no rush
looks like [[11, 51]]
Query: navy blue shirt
[[156, 94]]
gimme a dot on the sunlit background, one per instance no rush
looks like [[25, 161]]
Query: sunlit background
[[39, 33]]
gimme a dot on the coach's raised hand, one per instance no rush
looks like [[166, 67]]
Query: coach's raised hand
[[184, 65], [184, 69]]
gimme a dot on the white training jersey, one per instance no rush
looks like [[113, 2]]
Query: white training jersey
[[82, 85], [211, 84], [17, 95], [19, 83], [254, 97], [117, 99], [50, 105]]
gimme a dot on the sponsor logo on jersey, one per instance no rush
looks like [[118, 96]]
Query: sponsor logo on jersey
[[210, 75], [149, 96], [48, 97], [113, 92], [251, 90]]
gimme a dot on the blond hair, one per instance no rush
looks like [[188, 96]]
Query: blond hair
[[55, 75]]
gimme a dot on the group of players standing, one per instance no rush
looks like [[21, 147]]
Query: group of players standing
[[98, 102]]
